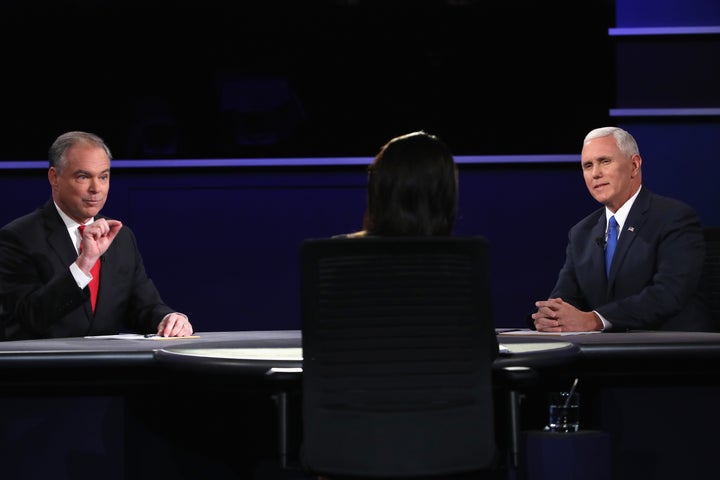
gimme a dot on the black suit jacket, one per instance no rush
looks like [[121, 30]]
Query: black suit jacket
[[39, 297], [655, 272]]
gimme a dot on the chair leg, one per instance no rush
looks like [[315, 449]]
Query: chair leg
[[516, 376], [281, 405], [514, 399]]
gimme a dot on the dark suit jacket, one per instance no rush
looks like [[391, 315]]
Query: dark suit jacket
[[39, 297], [655, 272]]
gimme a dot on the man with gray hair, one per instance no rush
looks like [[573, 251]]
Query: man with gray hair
[[633, 264], [68, 271]]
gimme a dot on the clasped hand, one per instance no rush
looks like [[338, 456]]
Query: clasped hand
[[555, 315]]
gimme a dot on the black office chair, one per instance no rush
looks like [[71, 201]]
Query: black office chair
[[710, 282], [398, 342]]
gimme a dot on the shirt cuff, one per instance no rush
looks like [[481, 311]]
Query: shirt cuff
[[81, 279], [606, 325]]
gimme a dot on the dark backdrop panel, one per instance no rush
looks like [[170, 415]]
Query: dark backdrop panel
[[286, 78], [525, 212], [680, 160], [221, 244], [227, 255], [690, 83], [654, 13]]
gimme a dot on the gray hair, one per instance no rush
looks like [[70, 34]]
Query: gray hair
[[624, 141], [60, 146]]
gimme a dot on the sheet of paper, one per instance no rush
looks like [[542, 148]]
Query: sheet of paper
[[527, 331], [138, 336], [122, 336]]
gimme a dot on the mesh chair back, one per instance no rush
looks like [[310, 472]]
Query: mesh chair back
[[398, 342]]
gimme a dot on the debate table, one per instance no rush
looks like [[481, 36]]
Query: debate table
[[632, 383], [638, 386]]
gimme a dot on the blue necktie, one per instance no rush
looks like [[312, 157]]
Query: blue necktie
[[611, 243]]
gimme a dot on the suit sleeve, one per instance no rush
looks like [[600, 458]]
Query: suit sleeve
[[33, 291]]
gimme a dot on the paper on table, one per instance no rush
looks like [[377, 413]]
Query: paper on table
[[122, 336], [138, 336], [160, 337], [527, 331]]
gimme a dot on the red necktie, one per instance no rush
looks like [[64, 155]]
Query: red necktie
[[95, 271]]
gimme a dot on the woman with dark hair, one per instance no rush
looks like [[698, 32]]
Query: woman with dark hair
[[412, 188]]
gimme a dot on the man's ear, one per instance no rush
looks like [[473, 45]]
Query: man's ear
[[53, 177], [636, 164]]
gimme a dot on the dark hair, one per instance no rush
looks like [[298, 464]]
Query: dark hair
[[412, 188], [56, 153]]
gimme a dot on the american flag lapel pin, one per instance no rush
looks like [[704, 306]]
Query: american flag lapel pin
[[631, 229]]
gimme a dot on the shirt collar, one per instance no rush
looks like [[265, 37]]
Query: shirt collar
[[622, 213]]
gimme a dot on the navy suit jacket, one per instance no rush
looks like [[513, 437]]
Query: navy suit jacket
[[655, 272], [39, 297]]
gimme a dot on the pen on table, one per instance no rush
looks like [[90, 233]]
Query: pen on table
[[150, 335]]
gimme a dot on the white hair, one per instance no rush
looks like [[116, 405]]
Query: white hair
[[624, 141]]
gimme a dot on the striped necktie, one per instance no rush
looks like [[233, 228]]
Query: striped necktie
[[95, 271]]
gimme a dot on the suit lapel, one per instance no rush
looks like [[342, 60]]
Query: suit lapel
[[635, 220], [598, 246], [57, 237], [59, 241]]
